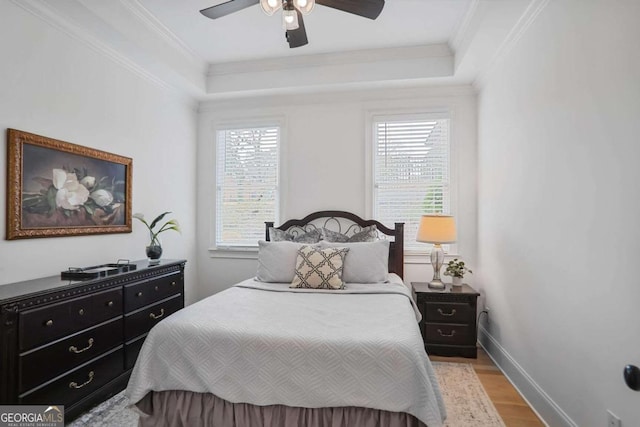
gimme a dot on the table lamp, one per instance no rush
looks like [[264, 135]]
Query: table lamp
[[436, 229]]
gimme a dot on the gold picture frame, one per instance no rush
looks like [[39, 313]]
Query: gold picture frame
[[56, 188]]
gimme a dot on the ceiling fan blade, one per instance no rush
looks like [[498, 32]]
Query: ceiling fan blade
[[367, 8], [227, 8], [297, 37]]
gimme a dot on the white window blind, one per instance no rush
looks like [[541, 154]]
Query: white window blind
[[247, 184], [411, 171]]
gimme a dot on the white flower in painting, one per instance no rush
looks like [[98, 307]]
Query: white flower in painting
[[59, 178], [102, 197], [71, 194], [88, 181]]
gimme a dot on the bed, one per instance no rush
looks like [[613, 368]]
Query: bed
[[263, 354]]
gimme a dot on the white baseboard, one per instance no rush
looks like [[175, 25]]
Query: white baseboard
[[547, 410]]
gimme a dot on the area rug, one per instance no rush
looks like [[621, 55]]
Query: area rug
[[467, 403]]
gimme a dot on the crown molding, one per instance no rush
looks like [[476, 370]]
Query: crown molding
[[153, 23], [41, 10], [44, 12], [324, 59], [522, 25], [461, 32]]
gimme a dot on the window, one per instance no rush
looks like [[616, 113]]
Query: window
[[247, 184], [411, 175]]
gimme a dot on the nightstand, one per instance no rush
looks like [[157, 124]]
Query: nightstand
[[448, 324]]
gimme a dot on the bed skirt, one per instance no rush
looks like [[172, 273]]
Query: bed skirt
[[186, 408]]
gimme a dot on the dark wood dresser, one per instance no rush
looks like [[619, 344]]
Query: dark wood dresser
[[448, 322], [74, 343]]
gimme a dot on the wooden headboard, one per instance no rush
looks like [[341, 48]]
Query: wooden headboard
[[349, 224]]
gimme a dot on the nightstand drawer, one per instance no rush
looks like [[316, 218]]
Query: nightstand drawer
[[445, 333], [449, 312]]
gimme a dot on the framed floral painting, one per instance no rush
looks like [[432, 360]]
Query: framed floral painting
[[55, 188]]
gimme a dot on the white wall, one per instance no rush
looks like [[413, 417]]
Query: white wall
[[55, 85], [558, 210], [324, 162]]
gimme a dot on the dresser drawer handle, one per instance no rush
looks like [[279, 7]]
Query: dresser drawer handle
[[154, 316], [110, 304], [157, 288], [173, 283], [81, 312], [74, 349], [49, 323], [453, 332], [74, 384], [442, 313], [139, 294]]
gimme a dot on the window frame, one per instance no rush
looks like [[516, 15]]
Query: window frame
[[245, 251], [412, 256]]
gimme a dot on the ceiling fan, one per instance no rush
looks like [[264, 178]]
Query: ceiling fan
[[292, 11]]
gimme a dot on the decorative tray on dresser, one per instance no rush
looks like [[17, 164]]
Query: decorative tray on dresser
[[448, 322], [74, 342]]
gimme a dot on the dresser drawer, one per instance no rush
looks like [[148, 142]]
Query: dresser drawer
[[42, 325], [445, 333], [79, 383], [449, 312], [143, 293], [40, 365], [140, 322], [131, 351]]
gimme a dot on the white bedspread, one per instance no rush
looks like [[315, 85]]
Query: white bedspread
[[265, 344]]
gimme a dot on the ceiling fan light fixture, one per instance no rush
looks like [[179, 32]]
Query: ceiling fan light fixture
[[305, 6], [270, 6], [290, 20]]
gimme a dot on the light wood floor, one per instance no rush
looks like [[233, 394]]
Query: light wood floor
[[512, 408]]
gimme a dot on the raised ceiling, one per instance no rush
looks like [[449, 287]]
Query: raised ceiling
[[412, 43], [250, 34]]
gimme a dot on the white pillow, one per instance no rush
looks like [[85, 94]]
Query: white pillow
[[277, 261], [366, 262]]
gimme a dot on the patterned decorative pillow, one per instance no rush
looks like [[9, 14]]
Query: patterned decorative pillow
[[319, 268], [367, 234], [277, 235]]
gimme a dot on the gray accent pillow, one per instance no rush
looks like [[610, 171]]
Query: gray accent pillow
[[367, 234], [277, 235], [319, 268], [367, 262], [277, 261]]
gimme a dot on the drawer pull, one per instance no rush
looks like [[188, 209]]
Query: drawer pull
[[442, 313], [74, 349], [74, 384], [173, 283], [81, 312], [154, 316], [453, 332], [110, 304], [49, 323], [139, 294], [157, 288]]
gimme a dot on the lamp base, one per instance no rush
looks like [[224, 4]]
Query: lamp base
[[437, 284]]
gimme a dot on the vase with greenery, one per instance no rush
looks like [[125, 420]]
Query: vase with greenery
[[456, 269], [154, 249]]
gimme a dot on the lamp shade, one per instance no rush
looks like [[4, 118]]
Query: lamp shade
[[436, 229]]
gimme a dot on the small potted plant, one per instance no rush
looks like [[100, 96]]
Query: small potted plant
[[154, 250], [456, 269]]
